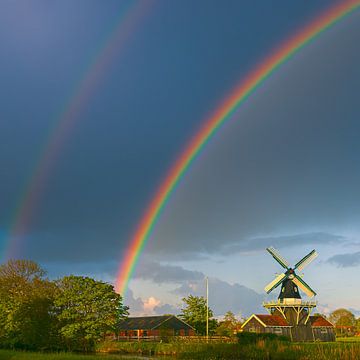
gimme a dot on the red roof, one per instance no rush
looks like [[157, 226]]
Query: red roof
[[319, 321], [272, 320]]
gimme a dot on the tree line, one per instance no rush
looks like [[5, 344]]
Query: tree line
[[73, 313]]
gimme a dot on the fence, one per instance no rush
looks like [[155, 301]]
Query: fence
[[193, 339]]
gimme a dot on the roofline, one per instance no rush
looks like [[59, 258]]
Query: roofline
[[251, 317], [184, 322], [324, 319], [168, 318], [322, 326], [261, 322]]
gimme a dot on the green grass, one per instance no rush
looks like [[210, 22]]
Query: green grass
[[348, 339], [23, 355], [261, 350]]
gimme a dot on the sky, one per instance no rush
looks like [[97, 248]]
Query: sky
[[138, 79]]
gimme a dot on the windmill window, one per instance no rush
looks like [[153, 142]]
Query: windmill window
[[283, 289], [295, 289]]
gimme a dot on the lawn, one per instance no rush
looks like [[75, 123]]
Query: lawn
[[262, 349], [23, 355]]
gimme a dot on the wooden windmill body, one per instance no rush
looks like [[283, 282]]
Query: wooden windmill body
[[289, 304]]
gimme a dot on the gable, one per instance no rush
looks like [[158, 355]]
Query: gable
[[266, 320], [175, 323], [153, 322], [319, 321], [273, 320]]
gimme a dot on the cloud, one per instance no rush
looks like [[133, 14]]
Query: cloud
[[224, 296], [150, 304], [166, 309], [136, 305], [144, 307], [345, 260], [160, 273], [283, 164], [318, 238]]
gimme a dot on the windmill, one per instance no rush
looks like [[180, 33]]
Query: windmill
[[289, 280], [289, 304], [289, 314]]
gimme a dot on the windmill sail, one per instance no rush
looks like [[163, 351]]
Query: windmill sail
[[275, 283], [306, 260], [276, 255], [304, 286]]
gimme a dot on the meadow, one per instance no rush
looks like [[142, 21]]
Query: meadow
[[262, 349]]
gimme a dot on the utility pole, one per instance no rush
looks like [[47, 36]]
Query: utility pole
[[207, 309]]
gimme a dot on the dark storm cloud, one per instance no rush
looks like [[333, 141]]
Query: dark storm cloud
[[160, 273], [345, 260], [285, 164], [283, 241]]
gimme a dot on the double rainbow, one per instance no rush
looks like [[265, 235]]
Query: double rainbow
[[128, 21], [212, 125]]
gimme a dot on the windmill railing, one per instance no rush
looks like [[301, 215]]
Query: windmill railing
[[293, 302]]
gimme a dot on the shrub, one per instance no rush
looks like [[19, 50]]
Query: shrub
[[253, 338]]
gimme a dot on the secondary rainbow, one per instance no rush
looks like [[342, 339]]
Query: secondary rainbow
[[212, 125], [85, 87]]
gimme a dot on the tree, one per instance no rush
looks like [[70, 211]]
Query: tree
[[26, 300], [344, 320], [86, 309], [357, 325], [195, 314], [229, 325]]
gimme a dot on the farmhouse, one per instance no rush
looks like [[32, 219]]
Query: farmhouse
[[152, 327], [323, 330], [317, 328], [267, 324]]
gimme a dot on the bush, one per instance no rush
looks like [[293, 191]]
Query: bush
[[253, 338]]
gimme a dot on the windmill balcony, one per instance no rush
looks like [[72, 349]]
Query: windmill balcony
[[289, 302]]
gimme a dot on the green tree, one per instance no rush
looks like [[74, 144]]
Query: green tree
[[344, 320], [26, 301], [357, 325], [229, 326], [86, 309], [194, 313]]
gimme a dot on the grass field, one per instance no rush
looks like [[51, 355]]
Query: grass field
[[262, 349], [20, 355], [345, 349]]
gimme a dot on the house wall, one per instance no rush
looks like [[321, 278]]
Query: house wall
[[324, 333], [156, 333], [279, 330], [302, 333], [254, 326]]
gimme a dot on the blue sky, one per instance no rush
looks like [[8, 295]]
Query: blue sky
[[283, 172]]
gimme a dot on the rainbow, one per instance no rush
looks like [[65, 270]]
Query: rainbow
[[224, 113], [64, 123]]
